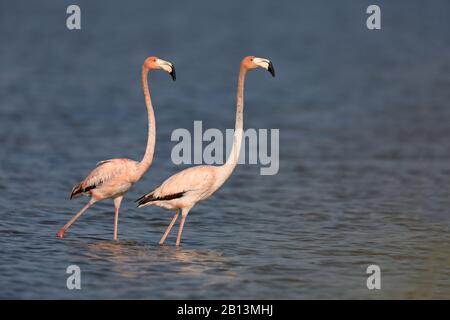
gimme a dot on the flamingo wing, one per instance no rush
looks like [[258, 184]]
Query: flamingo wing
[[104, 172], [192, 179]]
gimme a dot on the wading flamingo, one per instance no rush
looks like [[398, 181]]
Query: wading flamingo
[[183, 190], [113, 178]]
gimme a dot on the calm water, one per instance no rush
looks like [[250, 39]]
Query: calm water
[[364, 119]]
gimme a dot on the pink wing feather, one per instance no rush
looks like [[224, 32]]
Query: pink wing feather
[[104, 171]]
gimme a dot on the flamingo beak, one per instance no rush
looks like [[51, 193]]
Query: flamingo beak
[[168, 67], [271, 69], [266, 64], [173, 74]]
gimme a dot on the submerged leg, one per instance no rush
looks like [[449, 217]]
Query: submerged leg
[[117, 202], [61, 231], [169, 228], [184, 213]]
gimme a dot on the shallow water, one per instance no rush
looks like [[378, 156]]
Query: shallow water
[[364, 122]]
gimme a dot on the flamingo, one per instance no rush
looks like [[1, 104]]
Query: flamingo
[[183, 190], [112, 178]]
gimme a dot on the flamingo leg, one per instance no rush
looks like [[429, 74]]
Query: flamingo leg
[[117, 202], [61, 231], [184, 214], [169, 228]]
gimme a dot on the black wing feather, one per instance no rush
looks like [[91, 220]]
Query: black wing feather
[[149, 198]]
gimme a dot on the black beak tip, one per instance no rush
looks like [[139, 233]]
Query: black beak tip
[[173, 74], [271, 69]]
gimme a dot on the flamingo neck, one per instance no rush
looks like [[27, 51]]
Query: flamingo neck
[[148, 156], [233, 158]]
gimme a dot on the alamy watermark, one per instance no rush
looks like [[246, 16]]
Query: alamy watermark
[[73, 21], [254, 149], [373, 22], [374, 280], [74, 280]]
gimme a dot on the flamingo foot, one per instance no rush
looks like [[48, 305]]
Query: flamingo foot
[[60, 233]]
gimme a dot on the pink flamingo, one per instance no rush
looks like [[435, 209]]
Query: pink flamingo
[[183, 190], [113, 178]]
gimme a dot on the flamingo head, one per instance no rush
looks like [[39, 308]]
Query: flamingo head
[[252, 62], [154, 63]]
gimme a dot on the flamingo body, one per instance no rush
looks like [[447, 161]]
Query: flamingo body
[[110, 179], [184, 189]]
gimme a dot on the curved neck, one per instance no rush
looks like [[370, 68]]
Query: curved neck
[[148, 156], [238, 130]]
